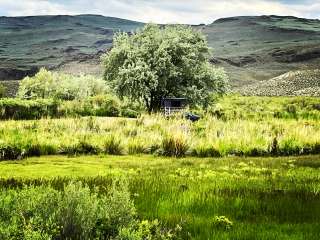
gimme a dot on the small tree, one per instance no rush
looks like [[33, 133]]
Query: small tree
[[158, 62]]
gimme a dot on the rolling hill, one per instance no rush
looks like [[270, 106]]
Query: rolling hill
[[253, 50]]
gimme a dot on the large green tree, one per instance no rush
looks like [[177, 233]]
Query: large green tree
[[158, 62]]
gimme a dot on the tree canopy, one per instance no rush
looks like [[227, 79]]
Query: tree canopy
[[163, 61]]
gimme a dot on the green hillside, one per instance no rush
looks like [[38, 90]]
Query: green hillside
[[260, 48], [26, 43], [251, 49]]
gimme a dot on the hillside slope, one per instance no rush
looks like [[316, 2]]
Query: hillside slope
[[27, 43], [294, 83], [251, 49]]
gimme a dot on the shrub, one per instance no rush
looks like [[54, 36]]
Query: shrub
[[148, 230], [222, 222], [103, 106], [11, 151], [26, 109], [128, 113], [46, 84], [83, 146], [74, 213]]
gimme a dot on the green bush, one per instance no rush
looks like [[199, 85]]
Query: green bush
[[74, 213], [27, 109], [11, 151], [46, 84], [148, 230], [128, 113], [222, 222], [103, 106]]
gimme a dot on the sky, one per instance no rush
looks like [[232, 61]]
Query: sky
[[163, 11]]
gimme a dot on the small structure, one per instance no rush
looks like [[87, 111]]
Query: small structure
[[173, 105]]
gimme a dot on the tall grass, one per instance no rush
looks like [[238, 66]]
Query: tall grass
[[210, 137], [263, 198]]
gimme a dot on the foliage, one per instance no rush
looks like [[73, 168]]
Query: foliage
[[148, 230], [46, 84], [175, 145], [209, 137], [102, 105], [74, 213], [222, 222], [24, 109], [2, 91], [265, 108], [158, 62], [256, 194]]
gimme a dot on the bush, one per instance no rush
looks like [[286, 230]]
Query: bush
[[103, 106], [148, 230], [46, 84], [128, 113], [222, 222], [136, 146], [25, 109], [11, 151], [203, 150], [75, 213]]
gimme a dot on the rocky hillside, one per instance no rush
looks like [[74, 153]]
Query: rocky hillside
[[251, 49], [254, 49], [295, 83]]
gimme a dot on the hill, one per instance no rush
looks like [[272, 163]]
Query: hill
[[254, 49], [294, 83], [27, 43], [251, 49]]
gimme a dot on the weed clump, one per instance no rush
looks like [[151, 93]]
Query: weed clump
[[222, 222], [174, 145], [112, 146]]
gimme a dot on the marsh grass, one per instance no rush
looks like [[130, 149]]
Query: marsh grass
[[210, 137], [256, 196], [112, 145]]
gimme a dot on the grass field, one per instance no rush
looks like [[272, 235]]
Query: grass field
[[264, 198], [249, 169], [210, 137]]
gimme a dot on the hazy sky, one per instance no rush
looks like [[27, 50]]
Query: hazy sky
[[163, 11]]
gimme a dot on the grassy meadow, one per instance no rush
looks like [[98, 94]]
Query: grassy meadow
[[249, 169], [210, 137], [256, 195]]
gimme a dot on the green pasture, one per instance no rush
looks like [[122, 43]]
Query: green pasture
[[264, 198]]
